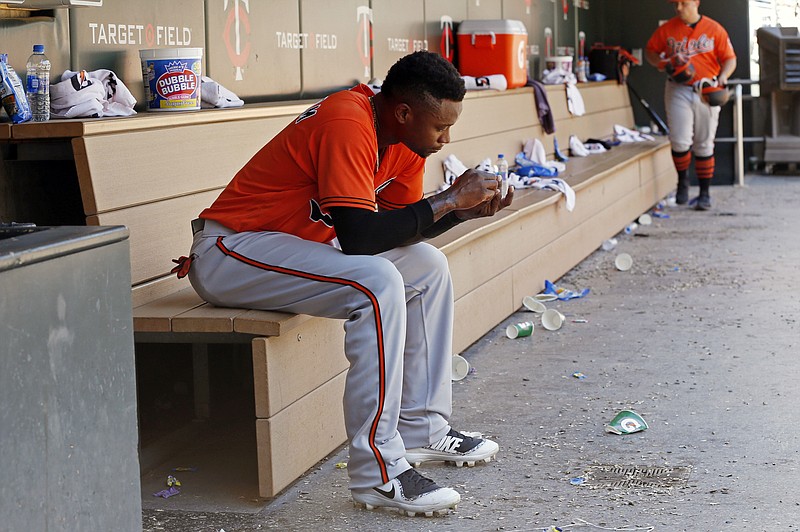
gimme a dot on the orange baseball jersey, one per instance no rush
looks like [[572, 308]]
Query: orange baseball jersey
[[707, 44], [327, 157]]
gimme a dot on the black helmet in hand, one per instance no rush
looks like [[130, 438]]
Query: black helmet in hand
[[680, 69], [712, 93]]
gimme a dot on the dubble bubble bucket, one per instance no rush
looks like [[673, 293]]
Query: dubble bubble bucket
[[172, 78]]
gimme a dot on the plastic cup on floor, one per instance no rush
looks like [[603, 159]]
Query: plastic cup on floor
[[552, 320], [520, 330], [532, 304], [460, 367], [626, 422], [623, 262]]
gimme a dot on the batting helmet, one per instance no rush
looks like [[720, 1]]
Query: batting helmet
[[711, 93], [680, 69]]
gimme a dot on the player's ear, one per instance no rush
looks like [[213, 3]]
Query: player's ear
[[402, 112]]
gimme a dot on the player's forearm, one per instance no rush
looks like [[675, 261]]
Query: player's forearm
[[441, 204], [728, 68], [654, 59]]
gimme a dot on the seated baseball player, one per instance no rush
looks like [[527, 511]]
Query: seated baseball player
[[328, 219]]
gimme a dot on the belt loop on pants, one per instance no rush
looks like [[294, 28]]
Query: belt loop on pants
[[197, 225]]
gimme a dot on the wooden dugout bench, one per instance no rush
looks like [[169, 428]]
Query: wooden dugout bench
[[155, 172]]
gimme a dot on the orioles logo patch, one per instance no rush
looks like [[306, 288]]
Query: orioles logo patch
[[308, 113], [318, 216]]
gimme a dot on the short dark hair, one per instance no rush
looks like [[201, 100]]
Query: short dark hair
[[424, 77]]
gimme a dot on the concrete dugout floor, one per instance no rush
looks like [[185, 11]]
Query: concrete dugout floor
[[700, 337]]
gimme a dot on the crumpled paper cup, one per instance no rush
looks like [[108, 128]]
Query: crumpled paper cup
[[626, 422]]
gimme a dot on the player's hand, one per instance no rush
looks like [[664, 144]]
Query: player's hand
[[473, 188], [487, 208]]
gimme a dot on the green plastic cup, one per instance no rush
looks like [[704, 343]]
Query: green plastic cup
[[626, 422], [520, 330]]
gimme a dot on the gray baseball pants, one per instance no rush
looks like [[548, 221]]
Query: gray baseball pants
[[398, 334], [692, 123]]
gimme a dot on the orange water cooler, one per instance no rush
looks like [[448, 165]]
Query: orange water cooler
[[487, 47]]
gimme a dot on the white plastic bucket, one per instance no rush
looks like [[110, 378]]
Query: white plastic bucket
[[172, 78], [559, 62]]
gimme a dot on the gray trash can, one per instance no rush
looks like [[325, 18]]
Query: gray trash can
[[68, 425]]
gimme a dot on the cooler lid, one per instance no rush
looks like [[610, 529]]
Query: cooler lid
[[498, 26]]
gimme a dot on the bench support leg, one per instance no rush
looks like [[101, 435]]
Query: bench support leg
[[202, 392]]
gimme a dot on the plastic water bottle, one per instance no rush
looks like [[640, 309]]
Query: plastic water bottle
[[38, 84], [631, 228], [609, 244], [502, 171]]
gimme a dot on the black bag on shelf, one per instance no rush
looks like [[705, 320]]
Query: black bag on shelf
[[614, 62]]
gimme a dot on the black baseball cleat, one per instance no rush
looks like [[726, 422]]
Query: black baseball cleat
[[702, 203], [410, 493], [456, 447]]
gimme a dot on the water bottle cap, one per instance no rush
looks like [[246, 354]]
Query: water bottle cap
[[38, 48], [500, 156]]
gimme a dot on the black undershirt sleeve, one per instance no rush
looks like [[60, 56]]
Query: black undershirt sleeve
[[363, 232]]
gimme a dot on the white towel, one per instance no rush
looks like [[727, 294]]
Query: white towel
[[90, 94], [558, 76], [497, 82], [487, 166], [575, 100], [452, 169], [375, 84], [212, 94], [558, 184], [623, 134], [534, 151], [576, 147]]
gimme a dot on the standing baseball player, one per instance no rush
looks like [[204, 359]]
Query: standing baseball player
[[691, 47], [327, 219]]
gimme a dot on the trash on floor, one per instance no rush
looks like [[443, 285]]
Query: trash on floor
[[609, 244], [533, 304], [460, 368], [623, 262], [562, 293], [626, 422], [167, 493], [552, 320], [520, 330]]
